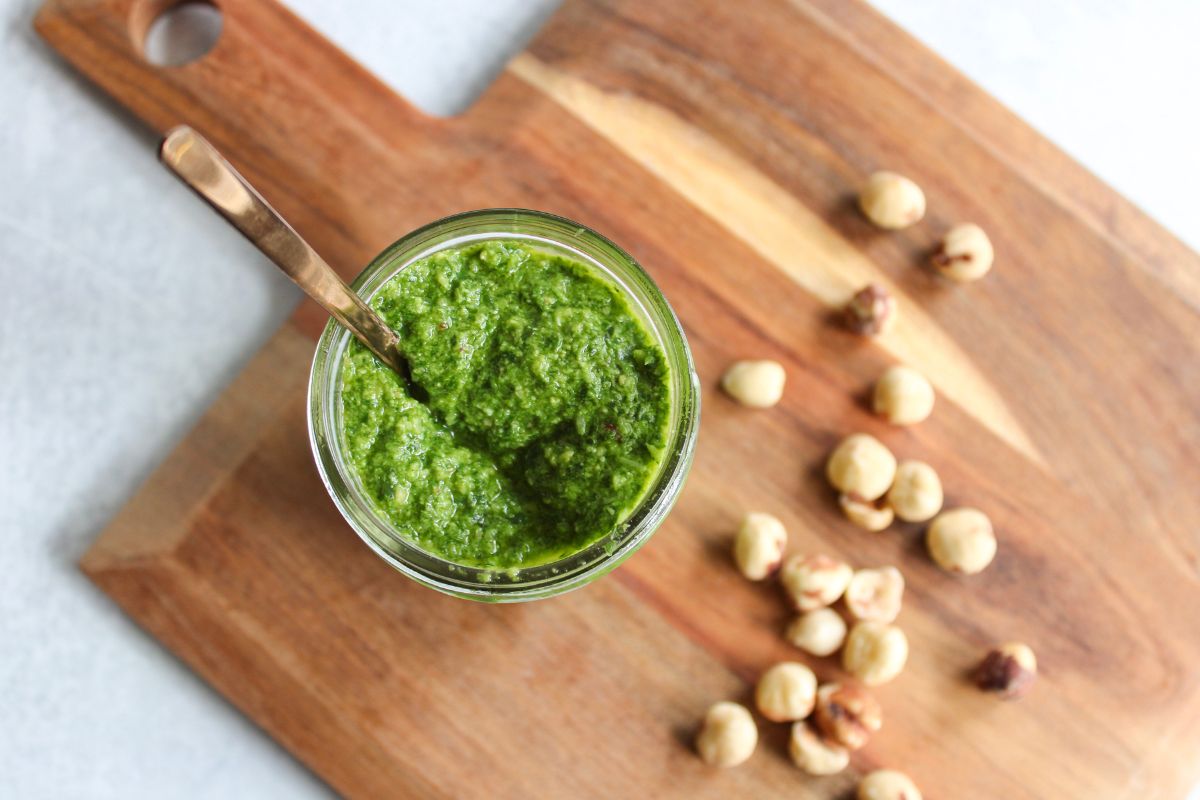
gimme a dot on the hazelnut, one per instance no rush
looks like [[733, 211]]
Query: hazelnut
[[728, 736], [871, 515], [903, 396], [847, 715], [814, 754], [758, 546], [786, 692], [1009, 669], [961, 540], [892, 201], [875, 594], [875, 652], [887, 784], [916, 493], [820, 631], [758, 384], [965, 253], [861, 465], [814, 581], [871, 310]]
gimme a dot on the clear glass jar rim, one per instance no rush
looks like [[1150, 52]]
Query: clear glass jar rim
[[551, 578]]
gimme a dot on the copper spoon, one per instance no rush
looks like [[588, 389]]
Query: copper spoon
[[200, 166]]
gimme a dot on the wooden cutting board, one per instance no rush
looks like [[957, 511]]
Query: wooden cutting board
[[721, 143]]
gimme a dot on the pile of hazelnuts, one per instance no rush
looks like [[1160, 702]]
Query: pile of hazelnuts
[[874, 489]]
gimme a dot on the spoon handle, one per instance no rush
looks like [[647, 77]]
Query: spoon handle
[[201, 167]]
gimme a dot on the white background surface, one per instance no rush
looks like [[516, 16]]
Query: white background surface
[[125, 306]]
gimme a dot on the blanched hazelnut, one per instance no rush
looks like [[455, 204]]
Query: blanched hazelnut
[[892, 201], [728, 736], [814, 581], [870, 311], [814, 754], [1009, 670], [861, 465], [758, 384], [916, 493], [786, 692], [875, 652], [820, 631], [871, 515], [758, 546], [961, 540], [847, 714], [875, 594], [903, 396], [965, 253], [888, 784]]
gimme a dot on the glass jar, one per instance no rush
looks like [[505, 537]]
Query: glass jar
[[549, 233]]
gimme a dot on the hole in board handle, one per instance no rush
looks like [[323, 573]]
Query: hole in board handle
[[182, 33]]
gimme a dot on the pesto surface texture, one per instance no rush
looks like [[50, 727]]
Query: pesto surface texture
[[546, 414]]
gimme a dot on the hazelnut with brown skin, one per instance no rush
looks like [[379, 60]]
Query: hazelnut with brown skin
[[965, 253], [814, 581], [871, 311], [847, 714], [1009, 670]]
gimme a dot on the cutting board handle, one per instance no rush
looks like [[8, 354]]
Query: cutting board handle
[[260, 41], [268, 76]]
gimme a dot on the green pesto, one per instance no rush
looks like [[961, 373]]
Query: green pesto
[[546, 414]]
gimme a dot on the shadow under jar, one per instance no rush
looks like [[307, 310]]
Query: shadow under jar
[[553, 236]]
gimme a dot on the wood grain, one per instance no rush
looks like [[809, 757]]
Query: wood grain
[[721, 144]]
